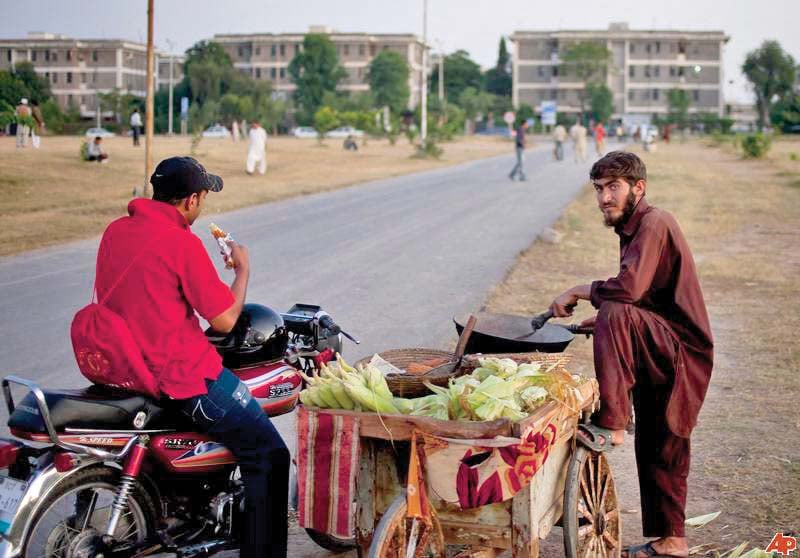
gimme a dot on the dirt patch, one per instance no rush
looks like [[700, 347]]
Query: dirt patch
[[50, 196], [742, 220]]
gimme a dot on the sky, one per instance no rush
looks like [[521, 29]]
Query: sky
[[473, 25]]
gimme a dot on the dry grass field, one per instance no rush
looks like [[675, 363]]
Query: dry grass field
[[742, 220], [50, 196]]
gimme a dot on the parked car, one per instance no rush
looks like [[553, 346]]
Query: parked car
[[344, 131], [216, 131], [101, 132], [305, 132]]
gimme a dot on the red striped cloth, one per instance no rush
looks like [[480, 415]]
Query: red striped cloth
[[327, 463]]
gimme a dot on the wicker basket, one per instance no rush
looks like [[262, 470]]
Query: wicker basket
[[409, 385], [470, 362]]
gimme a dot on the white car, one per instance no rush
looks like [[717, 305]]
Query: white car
[[216, 131], [99, 132], [305, 132], [344, 131]]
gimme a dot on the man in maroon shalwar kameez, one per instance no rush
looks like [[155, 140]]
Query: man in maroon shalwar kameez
[[652, 340]]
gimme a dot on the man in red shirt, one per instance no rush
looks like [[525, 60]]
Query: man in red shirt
[[159, 274], [652, 338]]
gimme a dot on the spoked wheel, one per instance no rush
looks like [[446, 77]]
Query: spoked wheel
[[591, 513], [397, 536], [74, 517]]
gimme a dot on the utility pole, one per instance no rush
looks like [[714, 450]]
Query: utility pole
[[148, 120], [441, 73], [423, 129], [171, 60]]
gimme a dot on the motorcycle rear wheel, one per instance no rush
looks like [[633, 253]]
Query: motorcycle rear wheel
[[74, 515]]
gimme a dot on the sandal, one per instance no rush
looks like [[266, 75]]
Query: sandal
[[595, 438], [648, 550]]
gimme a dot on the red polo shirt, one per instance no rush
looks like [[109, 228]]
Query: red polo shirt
[[159, 294]]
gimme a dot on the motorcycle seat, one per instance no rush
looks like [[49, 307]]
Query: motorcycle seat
[[94, 407]]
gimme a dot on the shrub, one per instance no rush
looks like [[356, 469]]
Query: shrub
[[755, 145]]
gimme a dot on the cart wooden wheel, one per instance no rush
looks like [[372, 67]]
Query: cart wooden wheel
[[591, 519], [397, 536]]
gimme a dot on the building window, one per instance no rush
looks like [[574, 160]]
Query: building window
[[540, 71], [555, 71], [632, 71], [631, 95], [296, 49], [361, 50], [8, 55], [647, 73], [258, 73], [648, 48], [83, 78], [681, 47], [47, 56], [55, 77], [632, 48], [33, 56], [273, 50], [347, 50], [69, 55], [283, 50], [258, 51], [655, 94], [372, 50], [282, 73], [696, 95], [69, 99], [94, 77], [69, 77], [658, 46], [94, 56], [680, 71], [657, 71], [273, 73], [55, 57], [672, 71]]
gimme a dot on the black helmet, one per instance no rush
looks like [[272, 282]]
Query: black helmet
[[258, 336]]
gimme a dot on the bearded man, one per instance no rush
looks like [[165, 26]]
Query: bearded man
[[652, 340]]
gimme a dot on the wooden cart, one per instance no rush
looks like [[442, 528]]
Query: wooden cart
[[573, 488]]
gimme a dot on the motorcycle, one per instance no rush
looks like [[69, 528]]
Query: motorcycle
[[104, 472]]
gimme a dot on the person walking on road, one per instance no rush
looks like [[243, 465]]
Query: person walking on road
[[256, 150], [559, 136], [23, 130], [136, 125], [578, 134], [600, 139], [520, 149]]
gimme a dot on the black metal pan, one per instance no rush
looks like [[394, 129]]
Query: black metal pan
[[500, 333]]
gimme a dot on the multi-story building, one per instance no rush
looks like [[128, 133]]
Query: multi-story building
[[266, 56], [645, 66], [79, 69]]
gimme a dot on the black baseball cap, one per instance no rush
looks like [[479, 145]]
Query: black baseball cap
[[179, 177]]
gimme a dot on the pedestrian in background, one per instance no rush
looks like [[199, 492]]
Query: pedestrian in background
[[256, 150], [23, 130], [578, 134], [620, 133], [235, 132], [38, 118], [519, 143], [600, 139], [136, 125], [95, 151], [559, 136]]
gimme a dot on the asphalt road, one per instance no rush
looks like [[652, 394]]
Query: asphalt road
[[391, 260]]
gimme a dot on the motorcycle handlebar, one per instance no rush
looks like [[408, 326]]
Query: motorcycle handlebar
[[327, 322]]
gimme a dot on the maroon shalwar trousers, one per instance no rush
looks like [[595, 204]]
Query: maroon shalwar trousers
[[635, 351]]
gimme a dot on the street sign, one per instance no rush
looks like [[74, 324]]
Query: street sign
[[184, 108], [548, 110], [508, 117]]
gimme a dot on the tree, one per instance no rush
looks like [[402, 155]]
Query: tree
[[209, 71], [678, 107], [498, 79], [588, 61], [38, 86], [474, 103], [786, 112], [460, 72], [11, 89], [601, 101], [325, 120], [772, 73], [314, 70], [388, 80], [121, 104]]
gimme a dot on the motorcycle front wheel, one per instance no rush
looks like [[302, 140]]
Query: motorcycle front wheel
[[75, 515]]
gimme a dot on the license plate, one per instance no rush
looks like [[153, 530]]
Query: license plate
[[11, 492]]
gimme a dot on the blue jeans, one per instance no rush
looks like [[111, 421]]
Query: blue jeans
[[518, 167], [233, 417]]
